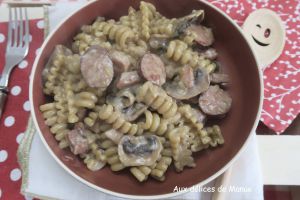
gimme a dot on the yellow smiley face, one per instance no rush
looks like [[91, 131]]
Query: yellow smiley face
[[266, 35]]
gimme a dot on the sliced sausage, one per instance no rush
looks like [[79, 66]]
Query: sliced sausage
[[187, 76], [97, 67], [78, 143], [210, 53], [153, 69], [215, 101], [120, 60], [128, 79], [219, 78], [205, 35]]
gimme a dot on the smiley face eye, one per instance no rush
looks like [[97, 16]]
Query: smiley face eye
[[258, 25], [267, 33]]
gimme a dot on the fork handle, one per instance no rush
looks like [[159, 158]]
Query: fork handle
[[3, 95]]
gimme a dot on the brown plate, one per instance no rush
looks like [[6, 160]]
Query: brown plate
[[236, 58]]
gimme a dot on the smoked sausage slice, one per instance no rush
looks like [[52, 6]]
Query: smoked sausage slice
[[153, 69], [97, 67], [215, 101]]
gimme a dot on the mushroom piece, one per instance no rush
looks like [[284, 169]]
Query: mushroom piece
[[156, 42], [113, 135], [139, 151], [189, 85], [187, 21], [124, 102]]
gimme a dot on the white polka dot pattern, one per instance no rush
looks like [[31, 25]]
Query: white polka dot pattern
[[9, 121], [2, 38], [23, 64], [37, 51], [16, 90], [40, 24], [26, 106], [3, 155], [15, 174], [19, 138]]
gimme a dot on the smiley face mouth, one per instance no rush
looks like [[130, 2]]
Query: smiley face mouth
[[259, 43]]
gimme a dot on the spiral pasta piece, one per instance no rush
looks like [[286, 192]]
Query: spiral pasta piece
[[141, 173], [161, 167], [148, 13], [72, 109], [154, 123], [85, 99], [121, 34], [197, 144], [49, 113], [61, 105], [182, 155], [189, 116], [54, 71], [113, 159], [189, 38], [92, 162], [114, 118], [163, 26], [215, 134], [92, 116], [130, 20], [157, 98], [179, 51]]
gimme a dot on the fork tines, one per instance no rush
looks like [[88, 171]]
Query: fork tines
[[18, 21]]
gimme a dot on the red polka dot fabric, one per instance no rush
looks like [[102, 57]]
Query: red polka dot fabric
[[281, 80], [14, 119]]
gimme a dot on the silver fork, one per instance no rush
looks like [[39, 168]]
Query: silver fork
[[16, 48]]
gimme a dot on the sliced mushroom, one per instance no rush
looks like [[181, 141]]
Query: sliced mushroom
[[138, 151], [157, 43], [187, 21], [187, 76], [124, 102], [114, 135], [179, 90]]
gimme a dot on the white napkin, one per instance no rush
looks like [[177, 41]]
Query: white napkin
[[46, 179]]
